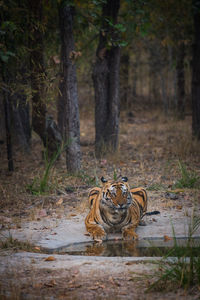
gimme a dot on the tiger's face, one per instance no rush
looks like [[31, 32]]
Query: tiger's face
[[116, 194]]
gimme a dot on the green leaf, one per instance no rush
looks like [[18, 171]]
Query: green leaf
[[123, 44], [4, 58], [120, 27]]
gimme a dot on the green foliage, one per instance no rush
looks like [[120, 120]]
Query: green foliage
[[41, 185], [115, 34], [183, 270], [13, 31], [189, 179], [87, 179], [155, 187], [98, 2], [4, 56], [6, 30], [13, 244], [115, 175], [16, 30]]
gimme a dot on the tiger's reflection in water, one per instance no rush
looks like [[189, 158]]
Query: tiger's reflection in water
[[113, 248]]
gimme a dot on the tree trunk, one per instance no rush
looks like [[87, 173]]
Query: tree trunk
[[2, 121], [180, 82], [7, 110], [153, 89], [37, 68], [134, 76], [164, 92], [21, 107], [124, 80], [174, 79], [21, 120], [68, 110], [196, 73], [39, 118], [106, 82], [7, 116]]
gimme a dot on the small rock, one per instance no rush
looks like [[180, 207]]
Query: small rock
[[50, 258], [60, 201], [5, 220], [42, 213], [69, 189], [142, 223], [167, 238], [172, 196]]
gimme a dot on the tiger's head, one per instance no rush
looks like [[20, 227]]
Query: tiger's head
[[116, 194]]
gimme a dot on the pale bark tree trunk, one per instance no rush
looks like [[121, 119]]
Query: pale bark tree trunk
[[68, 110], [106, 82]]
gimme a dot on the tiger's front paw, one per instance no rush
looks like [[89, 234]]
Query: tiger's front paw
[[129, 234], [98, 234]]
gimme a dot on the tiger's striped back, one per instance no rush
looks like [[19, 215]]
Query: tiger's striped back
[[139, 196]]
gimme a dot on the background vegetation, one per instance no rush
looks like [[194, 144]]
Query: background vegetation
[[99, 88], [70, 111], [44, 49]]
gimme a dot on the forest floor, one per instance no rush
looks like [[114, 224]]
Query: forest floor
[[155, 152]]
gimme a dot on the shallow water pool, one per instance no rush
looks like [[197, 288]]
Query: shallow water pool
[[154, 247]]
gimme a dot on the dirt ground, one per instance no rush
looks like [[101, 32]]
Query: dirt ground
[[150, 151], [36, 278]]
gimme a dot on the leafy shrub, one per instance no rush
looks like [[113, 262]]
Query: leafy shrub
[[156, 187], [181, 266], [189, 179], [41, 185]]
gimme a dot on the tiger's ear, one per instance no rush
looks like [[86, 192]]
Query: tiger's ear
[[125, 179], [103, 179]]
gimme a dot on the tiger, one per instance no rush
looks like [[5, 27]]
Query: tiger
[[115, 207]]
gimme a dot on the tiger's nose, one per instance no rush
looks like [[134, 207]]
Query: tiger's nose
[[122, 205]]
